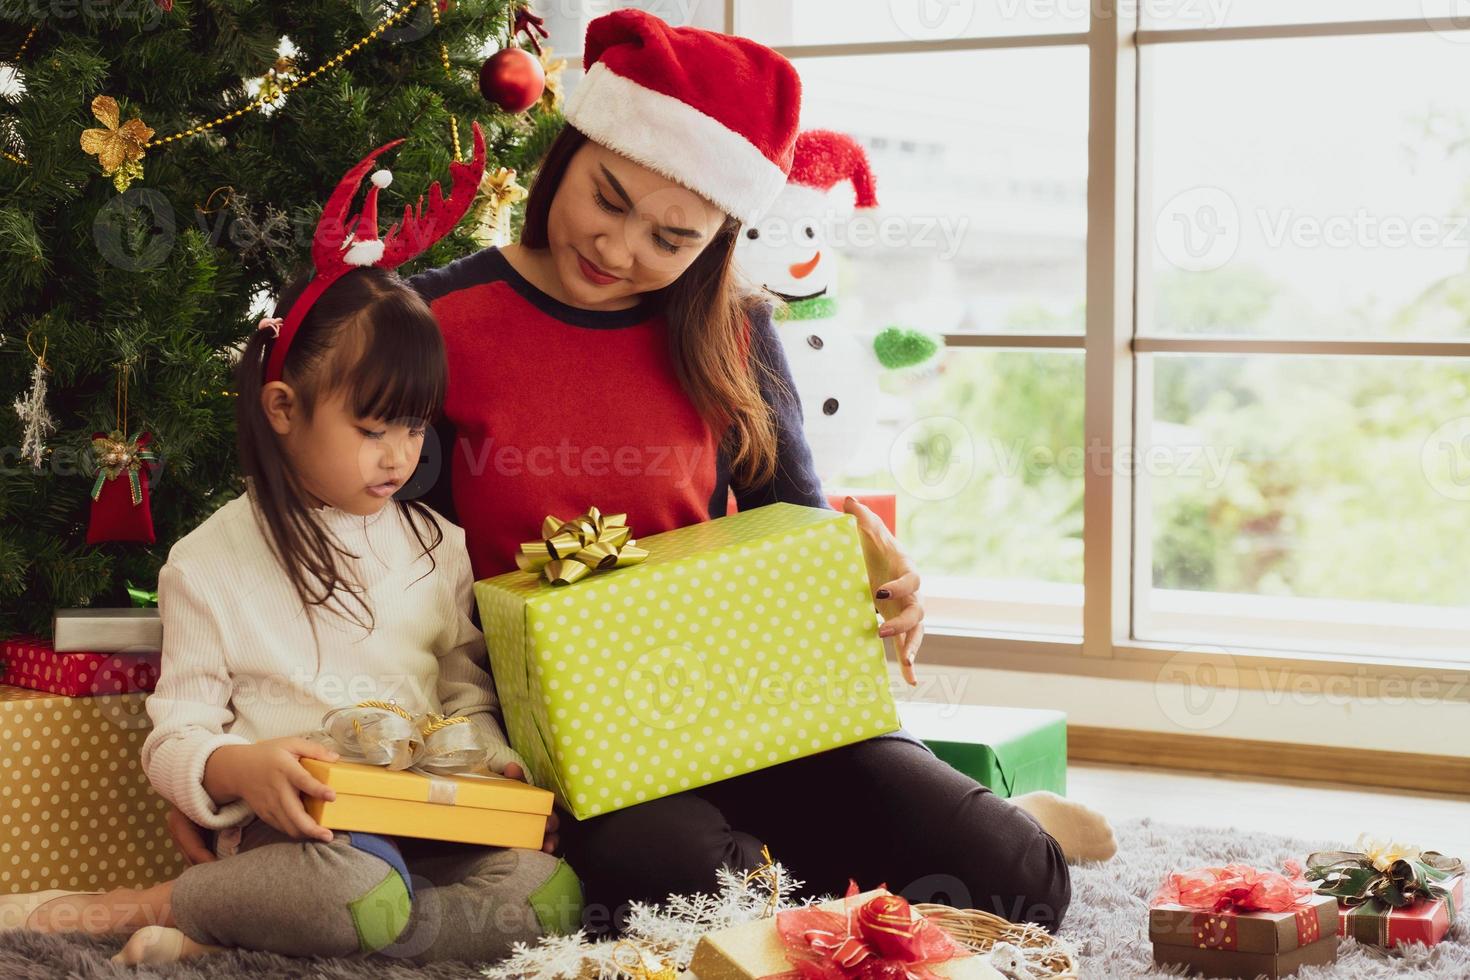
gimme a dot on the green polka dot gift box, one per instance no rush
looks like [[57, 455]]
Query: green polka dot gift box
[[738, 643]]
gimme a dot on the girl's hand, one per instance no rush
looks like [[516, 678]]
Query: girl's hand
[[895, 586], [553, 839], [268, 776], [188, 837]]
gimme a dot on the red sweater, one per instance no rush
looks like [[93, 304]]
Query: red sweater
[[552, 409]]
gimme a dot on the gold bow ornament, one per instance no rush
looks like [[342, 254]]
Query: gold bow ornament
[[571, 550]]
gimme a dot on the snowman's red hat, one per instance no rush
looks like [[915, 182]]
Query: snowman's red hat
[[825, 158], [715, 113]]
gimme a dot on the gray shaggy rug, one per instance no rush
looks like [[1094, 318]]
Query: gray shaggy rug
[[1108, 923]]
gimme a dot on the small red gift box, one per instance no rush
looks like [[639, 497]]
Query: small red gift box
[[1238, 921], [30, 662], [1426, 921], [885, 505]]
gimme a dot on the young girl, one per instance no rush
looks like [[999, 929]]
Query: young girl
[[316, 590]]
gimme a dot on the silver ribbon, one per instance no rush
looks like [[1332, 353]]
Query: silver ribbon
[[383, 733]]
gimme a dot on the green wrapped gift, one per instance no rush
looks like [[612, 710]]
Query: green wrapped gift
[[736, 644], [1010, 750]]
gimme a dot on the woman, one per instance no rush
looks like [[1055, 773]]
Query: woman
[[612, 357]]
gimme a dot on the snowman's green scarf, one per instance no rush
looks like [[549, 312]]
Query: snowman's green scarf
[[815, 308]]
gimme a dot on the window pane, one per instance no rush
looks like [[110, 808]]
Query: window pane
[[782, 22], [1316, 503], [981, 166], [566, 23], [1237, 13], [983, 454], [1296, 193]]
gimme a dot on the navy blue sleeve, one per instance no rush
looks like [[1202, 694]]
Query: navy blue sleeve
[[795, 481], [430, 481]]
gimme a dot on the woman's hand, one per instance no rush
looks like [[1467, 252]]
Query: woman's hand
[[268, 775], [895, 586], [188, 837], [553, 839]]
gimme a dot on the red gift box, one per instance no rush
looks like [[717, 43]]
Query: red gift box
[[31, 663], [1426, 921], [885, 505]]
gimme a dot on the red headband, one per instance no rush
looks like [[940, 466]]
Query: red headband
[[334, 252]]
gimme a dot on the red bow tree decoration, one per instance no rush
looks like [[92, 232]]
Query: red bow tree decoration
[[121, 510], [342, 243], [881, 939]]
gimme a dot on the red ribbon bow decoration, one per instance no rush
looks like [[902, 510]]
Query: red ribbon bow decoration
[[882, 939], [1235, 888]]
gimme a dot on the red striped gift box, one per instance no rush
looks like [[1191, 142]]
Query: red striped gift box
[[1424, 922]]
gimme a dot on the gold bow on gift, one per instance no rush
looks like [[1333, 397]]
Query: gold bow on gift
[[383, 733], [570, 550]]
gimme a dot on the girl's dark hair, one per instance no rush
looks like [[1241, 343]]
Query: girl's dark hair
[[706, 312], [373, 337]]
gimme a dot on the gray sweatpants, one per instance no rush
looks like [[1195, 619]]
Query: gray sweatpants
[[419, 900]]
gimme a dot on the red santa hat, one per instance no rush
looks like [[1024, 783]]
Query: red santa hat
[[825, 158], [715, 113]]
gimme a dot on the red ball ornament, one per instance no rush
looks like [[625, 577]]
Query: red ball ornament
[[512, 79]]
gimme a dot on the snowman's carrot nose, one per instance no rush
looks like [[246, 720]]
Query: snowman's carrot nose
[[803, 269]]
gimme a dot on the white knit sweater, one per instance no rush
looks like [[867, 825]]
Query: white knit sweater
[[240, 664]]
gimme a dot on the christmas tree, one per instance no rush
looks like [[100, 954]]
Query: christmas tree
[[164, 165]]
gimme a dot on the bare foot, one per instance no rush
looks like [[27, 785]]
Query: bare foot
[[154, 945], [1082, 832], [54, 910], [122, 910]]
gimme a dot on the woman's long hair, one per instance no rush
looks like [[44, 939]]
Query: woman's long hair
[[706, 310], [373, 337]]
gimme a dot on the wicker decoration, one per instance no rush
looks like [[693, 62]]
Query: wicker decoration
[[1047, 956]]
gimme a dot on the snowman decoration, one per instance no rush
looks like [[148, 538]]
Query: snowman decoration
[[835, 363]]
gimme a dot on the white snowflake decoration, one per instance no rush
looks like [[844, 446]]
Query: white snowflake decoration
[[31, 407], [659, 933]]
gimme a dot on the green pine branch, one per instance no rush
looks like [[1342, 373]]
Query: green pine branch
[[167, 277]]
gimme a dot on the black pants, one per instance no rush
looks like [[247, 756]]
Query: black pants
[[883, 811]]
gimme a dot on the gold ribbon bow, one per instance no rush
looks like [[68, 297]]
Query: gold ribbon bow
[[117, 456], [383, 733], [571, 550]]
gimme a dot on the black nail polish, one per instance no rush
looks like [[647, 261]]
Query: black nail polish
[[883, 593]]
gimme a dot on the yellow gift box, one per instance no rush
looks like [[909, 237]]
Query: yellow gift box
[[80, 813], [753, 951], [736, 644], [494, 811]]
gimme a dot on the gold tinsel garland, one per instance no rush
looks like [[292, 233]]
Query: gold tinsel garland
[[121, 146]]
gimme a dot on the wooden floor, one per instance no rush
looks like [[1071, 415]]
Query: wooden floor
[[1312, 810]]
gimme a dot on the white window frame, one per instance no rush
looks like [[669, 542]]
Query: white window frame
[[1118, 123]]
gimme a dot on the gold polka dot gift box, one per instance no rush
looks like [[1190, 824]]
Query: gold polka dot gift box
[[33, 663], [1245, 944], [735, 644], [76, 810]]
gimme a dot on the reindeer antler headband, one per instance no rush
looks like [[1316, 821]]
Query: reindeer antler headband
[[335, 251]]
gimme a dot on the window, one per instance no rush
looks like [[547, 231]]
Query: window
[[830, 22], [1238, 13], [1303, 286], [980, 160]]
